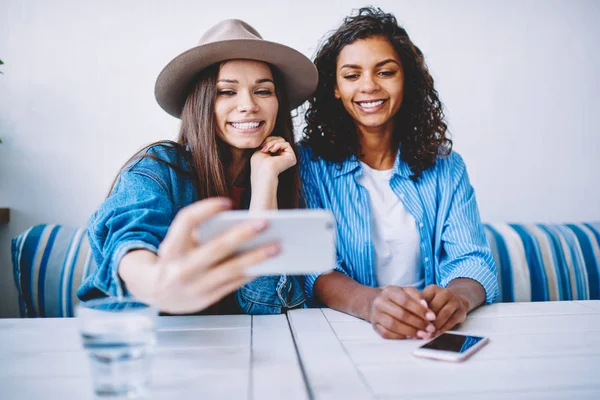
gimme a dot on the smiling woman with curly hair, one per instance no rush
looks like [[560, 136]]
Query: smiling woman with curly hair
[[413, 258]]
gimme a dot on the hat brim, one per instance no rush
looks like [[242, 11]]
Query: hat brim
[[173, 84]]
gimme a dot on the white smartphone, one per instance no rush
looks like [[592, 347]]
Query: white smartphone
[[306, 237], [451, 347]]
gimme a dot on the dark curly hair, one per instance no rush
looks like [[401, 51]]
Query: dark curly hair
[[419, 128]]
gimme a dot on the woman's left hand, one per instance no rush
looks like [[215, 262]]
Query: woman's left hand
[[450, 309], [272, 158]]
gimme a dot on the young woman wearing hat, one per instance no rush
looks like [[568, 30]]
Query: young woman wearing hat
[[234, 93], [412, 254]]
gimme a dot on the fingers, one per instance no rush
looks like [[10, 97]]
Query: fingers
[[458, 316], [179, 236], [386, 333], [409, 299], [231, 275], [233, 270], [211, 298], [436, 297], [393, 310], [448, 307], [222, 247], [451, 314], [274, 144], [402, 320]]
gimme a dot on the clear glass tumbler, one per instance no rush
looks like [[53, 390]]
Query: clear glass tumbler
[[119, 337]]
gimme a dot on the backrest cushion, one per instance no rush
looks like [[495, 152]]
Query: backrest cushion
[[49, 263], [540, 262]]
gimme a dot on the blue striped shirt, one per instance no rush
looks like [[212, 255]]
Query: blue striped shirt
[[442, 201]]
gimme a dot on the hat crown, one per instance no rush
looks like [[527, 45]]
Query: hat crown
[[229, 29]]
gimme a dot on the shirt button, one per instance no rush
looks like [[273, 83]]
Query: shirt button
[[426, 259], [421, 224], [402, 196]]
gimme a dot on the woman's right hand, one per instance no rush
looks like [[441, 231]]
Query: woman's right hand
[[189, 275], [400, 313]]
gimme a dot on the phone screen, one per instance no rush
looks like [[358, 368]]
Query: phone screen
[[452, 342]]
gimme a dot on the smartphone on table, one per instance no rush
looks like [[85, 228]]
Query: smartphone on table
[[451, 347], [306, 237]]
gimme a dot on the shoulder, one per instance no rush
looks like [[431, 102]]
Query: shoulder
[[158, 157], [164, 163], [309, 160], [451, 166]]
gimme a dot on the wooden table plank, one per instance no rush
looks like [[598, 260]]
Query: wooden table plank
[[556, 394], [421, 377], [39, 335], [207, 356], [196, 322], [527, 325], [531, 309], [276, 370], [547, 345], [530, 344], [330, 371], [47, 388], [593, 304]]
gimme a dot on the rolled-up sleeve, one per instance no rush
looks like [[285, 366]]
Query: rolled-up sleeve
[[465, 249], [136, 215]]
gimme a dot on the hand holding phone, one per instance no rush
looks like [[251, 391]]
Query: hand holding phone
[[306, 239], [451, 347]]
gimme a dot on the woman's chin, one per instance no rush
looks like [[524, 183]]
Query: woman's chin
[[247, 144]]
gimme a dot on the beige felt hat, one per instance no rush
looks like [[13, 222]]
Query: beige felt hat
[[234, 39]]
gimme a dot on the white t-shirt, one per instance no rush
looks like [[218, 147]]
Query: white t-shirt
[[396, 239]]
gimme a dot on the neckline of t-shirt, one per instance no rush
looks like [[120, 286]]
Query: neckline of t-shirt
[[387, 173]]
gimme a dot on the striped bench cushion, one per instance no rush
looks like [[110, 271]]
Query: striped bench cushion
[[540, 262], [535, 263], [49, 262]]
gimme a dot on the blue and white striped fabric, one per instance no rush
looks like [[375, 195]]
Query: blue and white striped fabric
[[442, 201], [535, 263], [49, 262], [540, 262]]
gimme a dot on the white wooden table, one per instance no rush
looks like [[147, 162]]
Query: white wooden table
[[546, 351], [208, 357], [536, 351]]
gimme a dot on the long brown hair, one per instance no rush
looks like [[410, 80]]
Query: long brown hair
[[207, 155]]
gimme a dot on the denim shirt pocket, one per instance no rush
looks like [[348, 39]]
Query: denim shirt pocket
[[271, 294], [290, 290], [260, 296]]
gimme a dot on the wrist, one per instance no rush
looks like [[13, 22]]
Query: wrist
[[367, 306], [264, 179], [466, 290]]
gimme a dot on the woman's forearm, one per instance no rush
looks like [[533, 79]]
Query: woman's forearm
[[344, 294], [264, 193], [138, 273]]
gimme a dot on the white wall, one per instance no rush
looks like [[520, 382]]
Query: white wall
[[520, 81]]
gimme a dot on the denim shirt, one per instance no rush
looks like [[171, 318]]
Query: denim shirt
[[137, 215]]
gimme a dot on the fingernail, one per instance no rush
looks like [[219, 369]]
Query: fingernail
[[260, 225], [430, 328], [273, 249], [430, 316], [424, 303], [422, 334]]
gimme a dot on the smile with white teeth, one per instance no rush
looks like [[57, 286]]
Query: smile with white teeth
[[370, 104], [245, 125]]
